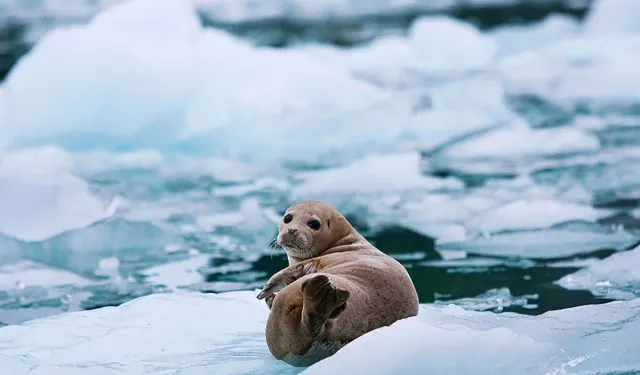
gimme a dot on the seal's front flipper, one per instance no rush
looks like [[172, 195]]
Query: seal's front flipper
[[322, 301]]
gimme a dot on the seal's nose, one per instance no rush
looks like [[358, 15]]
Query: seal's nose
[[293, 231]]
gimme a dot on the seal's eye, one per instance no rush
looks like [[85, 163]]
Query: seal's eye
[[314, 224], [288, 218]]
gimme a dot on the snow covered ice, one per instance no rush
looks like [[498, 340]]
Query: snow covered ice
[[193, 333]]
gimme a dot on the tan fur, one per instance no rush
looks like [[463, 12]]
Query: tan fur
[[337, 287]]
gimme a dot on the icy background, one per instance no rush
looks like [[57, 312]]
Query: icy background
[[150, 146]]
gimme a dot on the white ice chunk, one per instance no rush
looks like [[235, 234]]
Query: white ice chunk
[[515, 38], [191, 333], [177, 274], [523, 142], [136, 16], [617, 16], [436, 47], [556, 242], [494, 299], [444, 44], [39, 203], [593, 71], [532, 214], [374, 174], [585, 340], [128, 71], [511, 149], [616, 277], [146, 75], [263, 96], [25, 274], [194, 333]]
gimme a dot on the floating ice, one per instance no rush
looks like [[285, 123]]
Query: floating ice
[[177, 274], [531, 214], [224, 333], [606, 16], [187, 333], [38, 203], [515, 38], [83, 250], [129, 80], [519, 141], [556, 242], [616, 277], [436, 47], [494, 299], [25, 274], [586, 73], [121, 74], [452, 340], [444, 44], [519, 147], [373, 174]]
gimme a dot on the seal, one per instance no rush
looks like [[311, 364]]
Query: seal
[[337, 287]]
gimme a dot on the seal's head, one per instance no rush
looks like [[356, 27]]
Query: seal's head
[[310, 228]]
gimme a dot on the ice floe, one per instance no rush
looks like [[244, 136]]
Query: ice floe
[[194, 333], [194, 90], [373, 174], [559, 241], [462, 341], [38, 203], [616, 277]]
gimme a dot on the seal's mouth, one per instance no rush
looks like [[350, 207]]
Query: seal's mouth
[[293, 242]]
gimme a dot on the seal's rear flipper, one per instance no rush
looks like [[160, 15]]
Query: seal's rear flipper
[[322, 301]]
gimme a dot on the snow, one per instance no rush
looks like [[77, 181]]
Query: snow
[[459, 341], [615, 277], [38, 203], [193, 333]]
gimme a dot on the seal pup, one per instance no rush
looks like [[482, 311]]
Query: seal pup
[[337, 287]]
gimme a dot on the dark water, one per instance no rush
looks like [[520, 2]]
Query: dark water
[[442, 283]]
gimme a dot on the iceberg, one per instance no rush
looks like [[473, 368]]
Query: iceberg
[[615, 277], [39, 203], [146, 75], [194, 333]]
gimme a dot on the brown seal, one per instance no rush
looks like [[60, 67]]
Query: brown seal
[[337, 287]]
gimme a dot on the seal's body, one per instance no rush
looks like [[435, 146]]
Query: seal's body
[[337, 287]]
